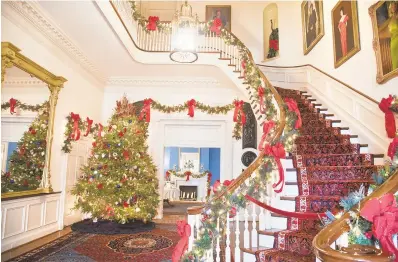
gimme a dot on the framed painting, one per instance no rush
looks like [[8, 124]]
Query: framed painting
[[345, 31], [384, 15], [222, 12], [312, 24]]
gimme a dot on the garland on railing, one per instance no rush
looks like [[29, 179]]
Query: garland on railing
[[389, 105], [13, 104], [191, 105], [150, 24], [76, 127]]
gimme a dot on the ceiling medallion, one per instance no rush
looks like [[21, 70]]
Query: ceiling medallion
[[183, 56]]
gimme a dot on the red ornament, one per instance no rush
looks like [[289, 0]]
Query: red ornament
[[232, 212], [152, 23], [125, 204], [121, 134], [94, 144], [126, 154], [100, 186], [123, 180], [105, 166], [22, 150], [32, 131]]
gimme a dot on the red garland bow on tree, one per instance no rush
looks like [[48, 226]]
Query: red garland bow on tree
[[261, 94], [216, 26], [267, 127], [146, 110], [389, 119], [100, 127], [392, 148], [13, 103], [152, 23], [89, 124], [76, 131], [191, 107], [383, 213], [274, 44], [278, 152], [292, 106], [239, 110]]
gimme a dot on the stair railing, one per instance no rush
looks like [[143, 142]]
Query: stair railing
[[160, 42], [325, 239]]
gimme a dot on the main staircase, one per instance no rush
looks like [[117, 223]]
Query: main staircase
[[327, 162]]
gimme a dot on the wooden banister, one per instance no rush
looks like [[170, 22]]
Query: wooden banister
[[333, 231]]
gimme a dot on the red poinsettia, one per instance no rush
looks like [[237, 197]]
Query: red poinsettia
[[274, 44]]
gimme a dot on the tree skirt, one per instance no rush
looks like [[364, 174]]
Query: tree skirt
[[156, 245], [107, 227]]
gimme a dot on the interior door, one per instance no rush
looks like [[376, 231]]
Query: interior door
[[76, 159]]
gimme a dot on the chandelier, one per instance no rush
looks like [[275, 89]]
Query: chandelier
[[185, 35]]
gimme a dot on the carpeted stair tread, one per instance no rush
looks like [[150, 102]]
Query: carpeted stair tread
[[275, 255], [316, 204], [332, 188], [323, 139], [322, 130], [306, 149], [336, 172], [333, 160]]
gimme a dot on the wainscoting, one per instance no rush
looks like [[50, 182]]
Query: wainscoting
[[26, 219]]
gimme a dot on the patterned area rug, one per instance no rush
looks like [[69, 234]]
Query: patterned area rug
[[328, 167], [156, 245]]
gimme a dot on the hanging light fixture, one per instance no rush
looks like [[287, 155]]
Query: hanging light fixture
[[185, 35]]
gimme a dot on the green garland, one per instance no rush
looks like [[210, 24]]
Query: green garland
[[83, 125], [193, 175], [143, 22], [25, 107]]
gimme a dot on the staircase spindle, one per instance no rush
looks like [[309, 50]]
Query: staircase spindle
[[237, 240], [254, 227], [218, 248], [261, 223], [268, 215], [228, 242], [191, 222], [246, 233]]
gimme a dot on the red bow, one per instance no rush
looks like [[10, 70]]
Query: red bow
[[13, 103], [209, 175], [292, 106], [146, 110], [389, 119], [126, 155], [392, 148], [278, 152], [184, 230], [239, 110], [167, 175], [152, 23], [89, 124], [191, 107], [267, 127], [383, 213], [261, 94], [216, 185], [216, 27], [188, 174], [274, 44], [100, 127], [76, 131]]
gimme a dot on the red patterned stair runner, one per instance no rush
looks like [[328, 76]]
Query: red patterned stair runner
[[328, 167]]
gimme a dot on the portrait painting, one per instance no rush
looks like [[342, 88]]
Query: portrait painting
[[345, 31], [312, 24], [384, 15], [221, 12]]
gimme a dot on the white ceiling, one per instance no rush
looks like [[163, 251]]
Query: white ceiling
[[83, 22]]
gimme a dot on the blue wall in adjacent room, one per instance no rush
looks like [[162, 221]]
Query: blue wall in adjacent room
[[11, 147], [170, 158], [214, 164]]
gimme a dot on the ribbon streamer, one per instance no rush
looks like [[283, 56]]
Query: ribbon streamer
[[392, 148], [100, 127], [389, 118], [146, 110], [292, 106], [184, 230], [243, 65], [191, 107], [89, 124], [261, 94], [278, 152], [239, 110], [76, 131], [13, 103], [267, 127]]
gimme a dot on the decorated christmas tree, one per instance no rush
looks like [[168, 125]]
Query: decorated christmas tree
[[119, 182], [26, 162]]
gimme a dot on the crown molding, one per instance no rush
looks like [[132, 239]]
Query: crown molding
[[167, 81], [32, 13], [23, 81]]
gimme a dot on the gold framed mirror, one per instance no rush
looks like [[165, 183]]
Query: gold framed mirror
[[384, 15], [28, 128]]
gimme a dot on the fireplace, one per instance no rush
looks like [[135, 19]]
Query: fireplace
[[188, 193]]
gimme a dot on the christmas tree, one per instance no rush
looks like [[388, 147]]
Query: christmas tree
[[119, 181], [26, 162]]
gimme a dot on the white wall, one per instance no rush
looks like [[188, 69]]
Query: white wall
[[359, 71]]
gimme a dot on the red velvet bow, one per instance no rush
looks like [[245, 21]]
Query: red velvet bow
[[267, 127], [146, 110], [389, 119], [239, 110], [216, 27], [191, 107], [227, 182], [392, 148], [76, 131], [216, 185], [292, 106], [89, 124], [278, 152], [188, 174], [100, 127], [209, 175], [274, 44], [13, 103], [152, 23], [261, 94], [383, 213], [184, 230]]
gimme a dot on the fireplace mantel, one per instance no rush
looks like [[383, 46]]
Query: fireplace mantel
[[201, 183]]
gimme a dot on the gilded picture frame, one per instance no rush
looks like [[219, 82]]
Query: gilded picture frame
[[10, 57], [379, 14], [346, 41], [310, 38], [225, 13]]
